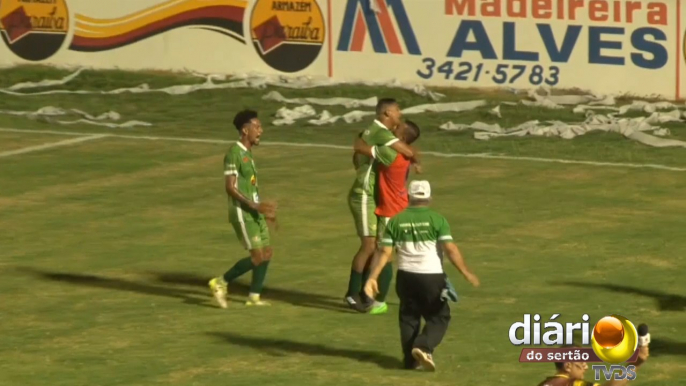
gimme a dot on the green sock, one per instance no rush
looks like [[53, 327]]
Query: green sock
[[355, 283], [241, 267], [258, 276], [385, 279], [365, 277]]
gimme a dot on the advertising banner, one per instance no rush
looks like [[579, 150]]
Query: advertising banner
[[606, 46], [218, 36], [611, 46]]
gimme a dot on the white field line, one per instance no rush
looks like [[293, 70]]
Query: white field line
[[50, 145], [338, 147]]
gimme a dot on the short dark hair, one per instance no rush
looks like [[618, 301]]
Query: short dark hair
[[412, 133], [383, 104], [243, 117]]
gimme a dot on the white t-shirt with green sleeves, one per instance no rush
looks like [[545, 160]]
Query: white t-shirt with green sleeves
[[416, 234]]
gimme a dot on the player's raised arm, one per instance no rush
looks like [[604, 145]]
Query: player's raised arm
[[411, 153], [643, 353], [382, 154], [409, 132], [403, 149], [361, 147], [356, 160]]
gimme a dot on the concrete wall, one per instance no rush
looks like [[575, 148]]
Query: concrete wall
[[607, 46]]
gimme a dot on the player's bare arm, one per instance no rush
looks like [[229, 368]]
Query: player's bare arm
[[643, 353], [456, 259], [361, 147], [411, 153], [268, 209], [381, 258], [356, 161], [406, 150], [232, 191]]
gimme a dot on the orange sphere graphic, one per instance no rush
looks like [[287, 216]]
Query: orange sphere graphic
[[608, 332]]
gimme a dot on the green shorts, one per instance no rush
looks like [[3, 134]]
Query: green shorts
[[362, 208], [252, 231], [381, 225]]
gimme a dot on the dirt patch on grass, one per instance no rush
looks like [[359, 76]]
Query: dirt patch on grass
[[577, 175], [642, 260]]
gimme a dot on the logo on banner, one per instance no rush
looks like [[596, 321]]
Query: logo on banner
[[34, 29], [287, 35], [363, 17], [219, 16]]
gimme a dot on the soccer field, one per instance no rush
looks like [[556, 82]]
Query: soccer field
[[107, 244]]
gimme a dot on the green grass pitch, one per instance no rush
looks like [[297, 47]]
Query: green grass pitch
[[106, 246]]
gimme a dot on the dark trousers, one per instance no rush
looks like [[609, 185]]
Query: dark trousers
[[420, 297]]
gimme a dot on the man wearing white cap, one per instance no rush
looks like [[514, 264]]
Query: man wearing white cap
[[420, 236]]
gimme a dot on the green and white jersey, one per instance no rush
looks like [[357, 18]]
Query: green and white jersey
[[416, 234], [238, 162], [376, 135]]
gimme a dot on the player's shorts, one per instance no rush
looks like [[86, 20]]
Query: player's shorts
[[382, 222], [362, 209], [252, 231]]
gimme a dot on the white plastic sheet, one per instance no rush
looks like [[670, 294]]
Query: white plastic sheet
[[51, 113], [336, 101], [636, 129], [255, 81]]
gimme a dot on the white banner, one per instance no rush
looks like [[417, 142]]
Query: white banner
[[605, 46]]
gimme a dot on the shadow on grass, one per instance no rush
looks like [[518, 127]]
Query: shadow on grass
[[296, 298], [665, 301], [176, 286], [117, 284], [275, 347], [666, 347]]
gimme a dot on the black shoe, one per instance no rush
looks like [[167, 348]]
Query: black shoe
[[355, 303], [366, 301]]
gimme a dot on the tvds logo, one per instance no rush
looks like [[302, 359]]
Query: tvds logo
[[374, 17], [614, 340]]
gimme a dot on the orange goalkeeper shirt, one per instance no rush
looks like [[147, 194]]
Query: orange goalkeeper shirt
[[391, 187]]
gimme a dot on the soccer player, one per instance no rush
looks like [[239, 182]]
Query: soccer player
[[418, 235], [361, 195], [247, 214], [391, 199]]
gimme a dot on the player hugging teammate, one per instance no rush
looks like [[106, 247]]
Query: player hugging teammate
[[382, 162]]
